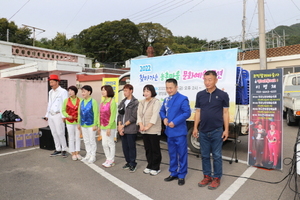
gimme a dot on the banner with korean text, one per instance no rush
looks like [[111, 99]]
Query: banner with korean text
[[188, 69], [265, 130]]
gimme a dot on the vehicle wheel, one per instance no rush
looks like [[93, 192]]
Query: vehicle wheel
[[288, 118], [193, 143], [284, 115]]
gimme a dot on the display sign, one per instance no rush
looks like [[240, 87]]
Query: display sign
[[265, 131]]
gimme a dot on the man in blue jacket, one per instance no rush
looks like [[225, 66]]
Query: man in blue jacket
[[174, 112]]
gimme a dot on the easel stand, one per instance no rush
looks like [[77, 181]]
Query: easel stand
[[236, 130]]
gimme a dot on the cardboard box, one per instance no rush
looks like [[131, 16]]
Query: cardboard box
[[28, 138], [36, 137], [18, 140]]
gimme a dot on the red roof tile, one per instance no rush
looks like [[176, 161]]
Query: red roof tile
[[272, 52]]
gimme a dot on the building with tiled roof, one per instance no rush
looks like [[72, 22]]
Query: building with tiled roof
[[287, 57]]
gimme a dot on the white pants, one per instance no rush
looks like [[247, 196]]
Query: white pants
[[57, 127], [74, 137], [108, 144], [89, 141]]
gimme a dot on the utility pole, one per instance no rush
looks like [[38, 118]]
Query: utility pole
[[262, 35], [33, 28], [244, 25], [7, 35]]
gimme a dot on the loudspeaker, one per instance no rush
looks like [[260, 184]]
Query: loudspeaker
[[46, 138]]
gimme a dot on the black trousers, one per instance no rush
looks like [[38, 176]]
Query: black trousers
[[129, 148], [152, 148]]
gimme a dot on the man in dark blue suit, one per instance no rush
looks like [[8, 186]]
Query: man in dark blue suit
[[174, 112]]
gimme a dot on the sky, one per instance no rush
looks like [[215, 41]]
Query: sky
[[204, 19]]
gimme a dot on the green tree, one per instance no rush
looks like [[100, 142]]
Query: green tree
[[44, 43], [180, 48], [111, 41], [194, 44], [156, 35], [16, 35]]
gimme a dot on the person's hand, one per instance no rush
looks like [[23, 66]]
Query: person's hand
[[121, 132], [195, 133], [166, 123], [108, 132], [225, 135], [142, 128], [79, 127], [171, 124], [70, 117], [146, 128], [95, 128], [120, 127]]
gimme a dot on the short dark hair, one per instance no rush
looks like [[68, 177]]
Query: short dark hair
[[211, 72], [72, 87], [109, 90], [172, 80], [128, 86], [88, 88], [151, 89]]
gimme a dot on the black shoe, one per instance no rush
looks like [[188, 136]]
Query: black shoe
[[64, 154], [170, 178], [126, 166], [55, 153], [181, 181], [132, 169]]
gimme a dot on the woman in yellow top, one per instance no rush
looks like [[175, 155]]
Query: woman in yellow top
[[70, 111]]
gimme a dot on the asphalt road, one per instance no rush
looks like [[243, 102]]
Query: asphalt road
[[31, 174]]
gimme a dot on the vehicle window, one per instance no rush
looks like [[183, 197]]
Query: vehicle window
[[296, 80]]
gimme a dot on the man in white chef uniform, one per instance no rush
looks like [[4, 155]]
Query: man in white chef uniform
[[54, 116]]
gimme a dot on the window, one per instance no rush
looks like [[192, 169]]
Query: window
[[296, 80]]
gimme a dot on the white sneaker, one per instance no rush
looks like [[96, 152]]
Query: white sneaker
[[74, 157], [105, 163], [110, 163], [154, 172], [147, 171], [92, 160], [86, 158]]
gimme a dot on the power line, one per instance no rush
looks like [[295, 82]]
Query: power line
[[271, 15], [183, 13], [76, 14], [161, 8], [163, 12], [145, 9], [252, 17], [18, 10], [295, 5]]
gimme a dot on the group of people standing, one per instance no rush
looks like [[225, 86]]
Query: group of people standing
[[81, 115], [146, 117]]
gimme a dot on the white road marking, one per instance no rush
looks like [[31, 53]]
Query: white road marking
[[235, 186], [127, 188], [18, 151]]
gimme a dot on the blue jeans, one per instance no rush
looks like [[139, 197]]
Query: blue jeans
[[211, 142]]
